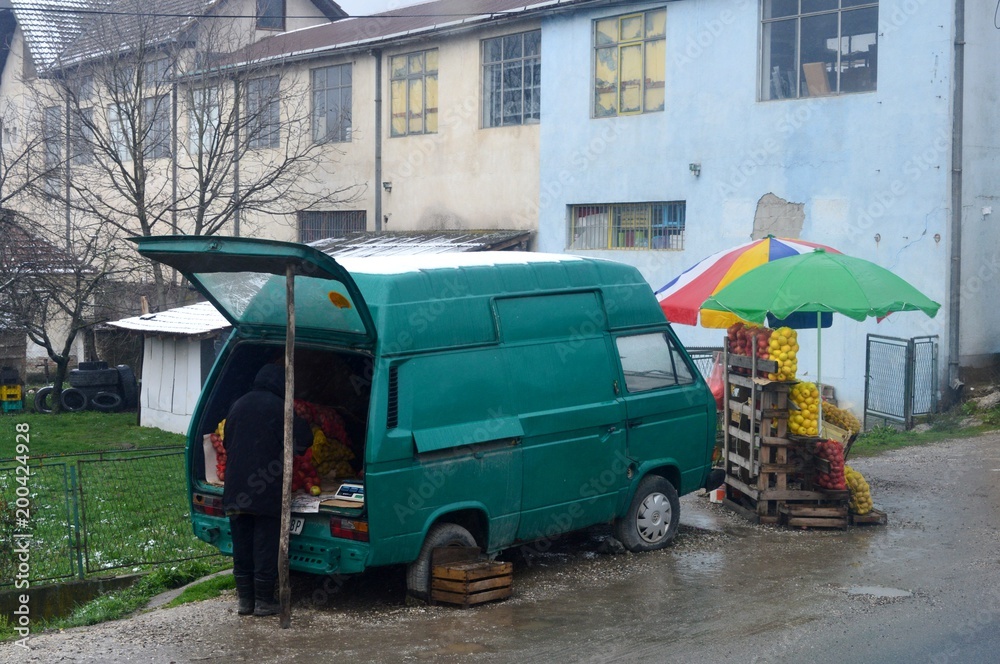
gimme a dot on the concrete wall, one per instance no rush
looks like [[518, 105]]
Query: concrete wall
[[980, 320], [861, 165], [463, 176]]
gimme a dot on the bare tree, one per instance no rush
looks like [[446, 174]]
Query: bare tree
[[130, 87], [49, 291]]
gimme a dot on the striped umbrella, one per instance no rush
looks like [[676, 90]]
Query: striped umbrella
[[681, 299]]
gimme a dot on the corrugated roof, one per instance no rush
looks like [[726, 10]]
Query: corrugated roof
[[405, 21], [50, 26], [189, 321], [64, 32], [24, 252], [104, 34], [408, 243]]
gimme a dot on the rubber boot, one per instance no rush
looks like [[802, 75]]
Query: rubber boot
[[266, 604], [245, 591]]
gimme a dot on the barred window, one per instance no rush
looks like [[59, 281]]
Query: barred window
[[316, 225], [627, 226]]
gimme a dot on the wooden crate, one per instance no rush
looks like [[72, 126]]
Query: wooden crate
[[874, 518], [463, 577]]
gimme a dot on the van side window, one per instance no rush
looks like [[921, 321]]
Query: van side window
[[651, 361]]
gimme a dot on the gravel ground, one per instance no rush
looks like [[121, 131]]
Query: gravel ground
[[923, 588]]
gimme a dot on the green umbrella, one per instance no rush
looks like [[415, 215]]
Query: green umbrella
[[819, 282]]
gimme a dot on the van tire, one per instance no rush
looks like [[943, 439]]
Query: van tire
[[418, 574], [648, 526]]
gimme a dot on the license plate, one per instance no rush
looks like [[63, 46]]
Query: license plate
[[296, 525]]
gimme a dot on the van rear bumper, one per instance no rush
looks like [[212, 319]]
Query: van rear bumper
[[326, 555], [312, 551]]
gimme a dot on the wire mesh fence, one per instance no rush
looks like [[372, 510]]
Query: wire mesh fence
[[38, 517], [703, 358], [96, 513]]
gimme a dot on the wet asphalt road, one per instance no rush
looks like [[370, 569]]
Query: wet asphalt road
[[926, 588]]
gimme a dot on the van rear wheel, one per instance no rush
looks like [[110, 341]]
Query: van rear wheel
[[652, 518], [418, 574]]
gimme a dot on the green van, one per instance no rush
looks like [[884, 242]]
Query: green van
[[491, 399]]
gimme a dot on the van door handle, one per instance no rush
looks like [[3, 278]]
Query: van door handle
[[634, 423], [611, 431]]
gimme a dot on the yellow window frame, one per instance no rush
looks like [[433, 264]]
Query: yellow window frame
[[621, 45]]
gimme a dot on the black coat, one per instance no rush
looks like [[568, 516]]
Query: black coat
[[254, 441]]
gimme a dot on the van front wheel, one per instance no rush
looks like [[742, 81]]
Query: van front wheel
[[652, 517], [418, 574]]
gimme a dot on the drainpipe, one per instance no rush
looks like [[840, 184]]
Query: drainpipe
[[68, 173], [377, 54], [237, 148], [174, 145], [955, 275]]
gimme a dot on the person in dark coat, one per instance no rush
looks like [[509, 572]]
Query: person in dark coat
[[254, 441]]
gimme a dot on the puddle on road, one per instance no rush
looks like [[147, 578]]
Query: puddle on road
[[464, 648], [878, 592]]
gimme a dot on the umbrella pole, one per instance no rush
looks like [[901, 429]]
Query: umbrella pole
[[819, 370]]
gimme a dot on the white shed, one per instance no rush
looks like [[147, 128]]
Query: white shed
[[179, 347]]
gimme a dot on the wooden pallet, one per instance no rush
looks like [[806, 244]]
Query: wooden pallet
[[466, 581], [816, 514], [874, 518]]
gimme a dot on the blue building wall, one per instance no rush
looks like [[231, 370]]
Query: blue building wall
[[865, 166]]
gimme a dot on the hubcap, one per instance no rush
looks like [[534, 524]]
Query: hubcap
[[653, 518]]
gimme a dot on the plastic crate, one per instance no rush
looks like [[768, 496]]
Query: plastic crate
[[9, 406], [10, 392]]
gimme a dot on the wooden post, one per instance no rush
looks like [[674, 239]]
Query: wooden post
[[285, 591]]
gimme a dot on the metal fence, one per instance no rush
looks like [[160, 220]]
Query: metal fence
[[900, 379], [703, 358], [98, 512]]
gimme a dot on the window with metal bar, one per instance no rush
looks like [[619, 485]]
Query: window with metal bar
[[817, 48], [317, 225], [627, 226]]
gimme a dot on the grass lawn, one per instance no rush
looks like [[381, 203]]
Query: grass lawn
[[88, 431]]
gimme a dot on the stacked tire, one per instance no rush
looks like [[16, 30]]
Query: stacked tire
[[94, 386]]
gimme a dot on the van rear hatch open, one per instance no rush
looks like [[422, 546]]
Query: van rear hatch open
[[245, 279]]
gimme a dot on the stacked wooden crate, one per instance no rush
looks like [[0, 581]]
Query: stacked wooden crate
[[768, 472], [463, 577]]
